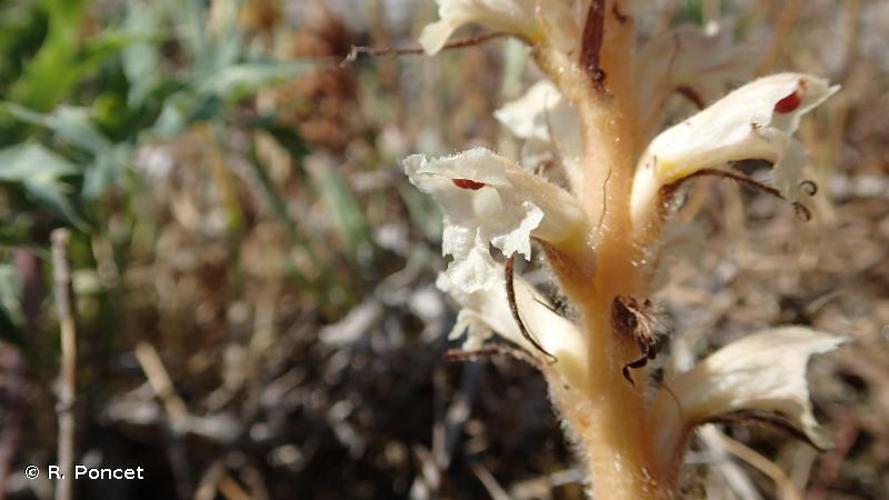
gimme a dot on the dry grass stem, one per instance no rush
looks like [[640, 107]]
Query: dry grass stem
[[68, 365]]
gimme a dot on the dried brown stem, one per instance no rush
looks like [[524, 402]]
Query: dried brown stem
[[786, 489], [160, 382], [68, 368], [488, 351], [407, 51]]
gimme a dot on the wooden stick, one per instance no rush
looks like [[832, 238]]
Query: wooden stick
[[68, 368]]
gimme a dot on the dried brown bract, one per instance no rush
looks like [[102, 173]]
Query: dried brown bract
[[513, 307], [630, 316]]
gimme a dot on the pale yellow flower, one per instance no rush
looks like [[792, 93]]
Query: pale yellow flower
[[756, 121]]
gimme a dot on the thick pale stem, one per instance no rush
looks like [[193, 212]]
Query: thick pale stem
[[608, 422], [612, 429]]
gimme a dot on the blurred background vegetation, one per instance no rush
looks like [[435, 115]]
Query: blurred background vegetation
[[253, 275]]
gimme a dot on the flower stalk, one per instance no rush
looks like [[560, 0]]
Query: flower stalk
[[606, 96], [608, 421]]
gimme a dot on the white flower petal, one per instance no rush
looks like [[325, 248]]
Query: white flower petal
[[543, 115], [765, 371], [530, 117], [688, 59], [512, 16], [556, 22], [755, 121], [547, 121], [488, 199], [487, 311]]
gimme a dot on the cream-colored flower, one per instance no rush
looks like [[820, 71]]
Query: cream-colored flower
[[489, 200], [485, 312], [535, 115], [756, 121], [764, 372], [557, 22], [547, 122], [512, 16]]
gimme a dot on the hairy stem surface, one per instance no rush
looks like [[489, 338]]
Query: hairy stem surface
[[608, 421]]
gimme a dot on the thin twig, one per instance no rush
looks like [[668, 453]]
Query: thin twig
[[736, 477], [160, 382], [209, 483], [177, 411], [786, 489], [460, 43], [489, 482], [68, 368], [231, 490], [489, 351]]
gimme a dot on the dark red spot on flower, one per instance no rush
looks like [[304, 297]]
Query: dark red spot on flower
[[468, 184], [788, 104]]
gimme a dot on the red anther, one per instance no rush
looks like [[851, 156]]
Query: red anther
[[468, 184], [788, 104]]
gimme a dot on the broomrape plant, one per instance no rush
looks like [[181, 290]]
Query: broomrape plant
[[600, 218]]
